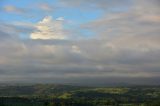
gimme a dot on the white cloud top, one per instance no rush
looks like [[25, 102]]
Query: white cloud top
[[48, 29]]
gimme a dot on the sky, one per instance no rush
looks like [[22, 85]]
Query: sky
[[96, 42]]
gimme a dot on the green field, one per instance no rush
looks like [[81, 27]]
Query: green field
[[66, 95]]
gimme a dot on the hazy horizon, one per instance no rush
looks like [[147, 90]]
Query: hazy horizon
[[85, 42]]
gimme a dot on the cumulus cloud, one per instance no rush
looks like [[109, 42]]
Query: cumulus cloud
[[49, 29]]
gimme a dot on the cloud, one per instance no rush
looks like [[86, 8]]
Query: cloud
[[60, 19], [48, 29], [76, 49], [13, 9], [46, 7], [94, 4], [135, 29], [124, 49]]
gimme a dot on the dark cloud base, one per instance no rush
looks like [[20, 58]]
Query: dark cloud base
[[110, 81]]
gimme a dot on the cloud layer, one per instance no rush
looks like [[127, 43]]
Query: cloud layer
[[122, 47]]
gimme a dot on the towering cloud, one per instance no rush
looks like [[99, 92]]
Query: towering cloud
[[48, 29]]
